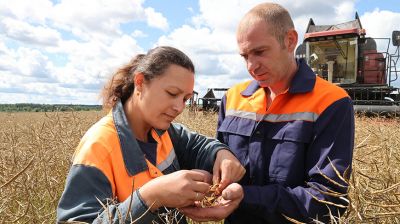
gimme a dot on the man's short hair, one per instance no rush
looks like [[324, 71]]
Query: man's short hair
[[277, 17]]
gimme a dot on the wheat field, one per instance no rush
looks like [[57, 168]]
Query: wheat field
[[36, 150]]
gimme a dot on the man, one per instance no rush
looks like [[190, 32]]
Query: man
[[293, 131]]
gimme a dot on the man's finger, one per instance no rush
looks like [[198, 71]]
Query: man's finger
[[216, 175], [232, 192], [224, 180]]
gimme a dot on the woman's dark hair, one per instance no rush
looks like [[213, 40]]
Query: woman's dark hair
[[153, 64]]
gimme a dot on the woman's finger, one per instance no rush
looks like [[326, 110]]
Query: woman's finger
[[200, 175]]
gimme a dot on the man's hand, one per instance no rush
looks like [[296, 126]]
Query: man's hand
[[227, 169]]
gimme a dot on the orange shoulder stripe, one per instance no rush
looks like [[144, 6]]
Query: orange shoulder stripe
[[323, 95], [292, 106]]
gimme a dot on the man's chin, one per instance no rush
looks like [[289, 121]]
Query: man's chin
[[263, 84]]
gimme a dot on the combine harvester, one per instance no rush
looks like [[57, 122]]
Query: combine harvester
[[212, 99], [343, 55]]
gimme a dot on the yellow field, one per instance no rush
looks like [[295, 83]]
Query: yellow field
[[36, 148]]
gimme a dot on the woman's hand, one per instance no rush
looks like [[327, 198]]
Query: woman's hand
[[178, 189], [227, 169], [231, 197]]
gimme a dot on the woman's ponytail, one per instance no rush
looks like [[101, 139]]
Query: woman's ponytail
[[121, 84]]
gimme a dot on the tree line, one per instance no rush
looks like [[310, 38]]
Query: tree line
[[29, 107]]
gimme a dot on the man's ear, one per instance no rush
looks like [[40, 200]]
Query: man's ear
[[291, 39], [138, 81]]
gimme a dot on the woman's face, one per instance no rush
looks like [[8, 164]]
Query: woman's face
[[164, 97]]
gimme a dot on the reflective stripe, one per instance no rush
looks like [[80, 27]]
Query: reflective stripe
[[304, 116], [168, 161], [244, 114]]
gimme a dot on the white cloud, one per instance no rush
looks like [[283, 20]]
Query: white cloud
[[223, 14], [21, 89], [138, 33], [24, 32], [95, 56], [103, 17], [88, 18], [226, 14], [85, 35], [7, 60], [74, 97], [156, 19], [25, 62], [200, 40], [212, 51], [344, 10], [33, 63], [380, 23], [34, 11]]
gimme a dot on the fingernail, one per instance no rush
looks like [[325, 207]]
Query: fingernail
[[226, 195]]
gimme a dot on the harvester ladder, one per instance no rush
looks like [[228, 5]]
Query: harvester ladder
[[393, 70]]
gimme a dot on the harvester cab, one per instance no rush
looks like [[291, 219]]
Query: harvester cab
[[212, 99], [343, 55]]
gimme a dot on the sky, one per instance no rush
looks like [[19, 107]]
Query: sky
[[64, 51]]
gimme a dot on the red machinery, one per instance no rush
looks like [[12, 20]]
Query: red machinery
[[343, 55]]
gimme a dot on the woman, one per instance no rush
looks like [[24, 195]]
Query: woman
[[134, 160]]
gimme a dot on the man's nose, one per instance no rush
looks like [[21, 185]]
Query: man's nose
[[252, 64]]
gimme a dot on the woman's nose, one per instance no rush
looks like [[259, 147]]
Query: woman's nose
[[179, 106]]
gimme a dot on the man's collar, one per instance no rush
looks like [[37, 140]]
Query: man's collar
[[251, 88], [303, 81]]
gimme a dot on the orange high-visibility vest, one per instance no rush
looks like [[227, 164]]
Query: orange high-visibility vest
[[101, 148]]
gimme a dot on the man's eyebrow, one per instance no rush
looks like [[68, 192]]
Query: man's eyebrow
[[253, 50], [258, 48]]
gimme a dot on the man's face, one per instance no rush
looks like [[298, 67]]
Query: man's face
[[267, 60]]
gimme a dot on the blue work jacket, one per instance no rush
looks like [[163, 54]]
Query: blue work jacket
[[293, 149]]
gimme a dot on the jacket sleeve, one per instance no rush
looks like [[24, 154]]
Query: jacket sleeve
[[324, 192], [194, 151], [87, 188]]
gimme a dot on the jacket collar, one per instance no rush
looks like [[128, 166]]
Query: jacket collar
[[304, 79], [302, 82], [132, 154]]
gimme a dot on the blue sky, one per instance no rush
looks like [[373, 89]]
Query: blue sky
[[63, 51]]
